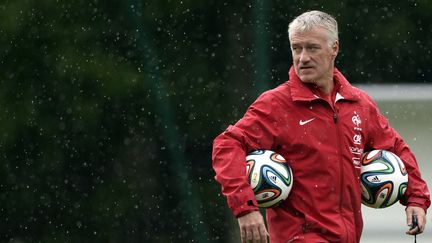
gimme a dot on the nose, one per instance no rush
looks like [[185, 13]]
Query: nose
[[304, 56]]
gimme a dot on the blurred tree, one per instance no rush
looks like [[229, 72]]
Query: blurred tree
[[108, 105]]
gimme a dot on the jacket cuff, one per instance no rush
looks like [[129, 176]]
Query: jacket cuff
[[243, 202], [418, 202], [246, 208]]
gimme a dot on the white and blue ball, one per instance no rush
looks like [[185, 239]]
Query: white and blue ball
[[270, 177], [384, 178]]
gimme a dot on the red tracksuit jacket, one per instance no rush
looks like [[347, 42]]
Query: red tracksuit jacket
[[323, 144]]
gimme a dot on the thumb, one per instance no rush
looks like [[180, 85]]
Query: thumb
[[409, 214]]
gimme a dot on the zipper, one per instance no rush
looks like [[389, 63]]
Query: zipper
[[339, 146], [341, 170], [335, 120]]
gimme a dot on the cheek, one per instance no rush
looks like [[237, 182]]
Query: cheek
[[295, 62], [325, 60]]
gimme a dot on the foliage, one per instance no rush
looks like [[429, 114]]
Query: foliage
[[109, 107]]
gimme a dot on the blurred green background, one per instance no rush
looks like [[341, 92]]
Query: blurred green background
[[109, 108]]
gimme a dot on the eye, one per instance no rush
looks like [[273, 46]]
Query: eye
[[313, 48], [295, 48]]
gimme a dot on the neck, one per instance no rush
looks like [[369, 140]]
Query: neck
[[326, 87], [326, 84]]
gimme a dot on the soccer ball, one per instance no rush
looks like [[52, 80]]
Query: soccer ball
[[384, 178], [270, 177]]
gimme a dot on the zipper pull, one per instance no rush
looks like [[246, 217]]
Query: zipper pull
[[335, 117]]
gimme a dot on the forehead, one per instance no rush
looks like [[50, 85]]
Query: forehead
[[315, 35]]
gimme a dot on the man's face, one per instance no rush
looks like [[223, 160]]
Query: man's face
[[313, 58]]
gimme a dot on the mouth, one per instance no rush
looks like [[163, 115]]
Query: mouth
[[306, 67]]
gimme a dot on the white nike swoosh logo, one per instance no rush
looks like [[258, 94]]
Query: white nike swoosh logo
[[307, 121]]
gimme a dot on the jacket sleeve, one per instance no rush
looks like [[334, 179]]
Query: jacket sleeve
[[256, 130], [383, 136]]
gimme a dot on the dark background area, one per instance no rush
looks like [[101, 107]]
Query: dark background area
[[109, 108]]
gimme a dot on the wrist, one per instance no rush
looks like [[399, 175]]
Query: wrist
[[246, 212]]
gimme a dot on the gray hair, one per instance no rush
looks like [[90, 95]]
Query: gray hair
[[308, 20]]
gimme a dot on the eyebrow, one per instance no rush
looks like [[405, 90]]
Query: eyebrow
[[307, 45]]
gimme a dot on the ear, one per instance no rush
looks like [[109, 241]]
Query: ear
[[335, 49]]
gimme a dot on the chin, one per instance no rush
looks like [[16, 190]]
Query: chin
[[307, 80]]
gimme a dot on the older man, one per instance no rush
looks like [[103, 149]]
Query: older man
[[310, 121]]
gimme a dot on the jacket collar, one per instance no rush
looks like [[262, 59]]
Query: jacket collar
[[302, 92]]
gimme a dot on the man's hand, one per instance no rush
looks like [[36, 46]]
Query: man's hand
[[252, 227], [421, 218]]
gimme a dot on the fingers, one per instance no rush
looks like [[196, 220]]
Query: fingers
[[243, 235], [264, 234], [252, 228], [413, 231], [421, 220], [248, 236], [409, 214], [254, 234]]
